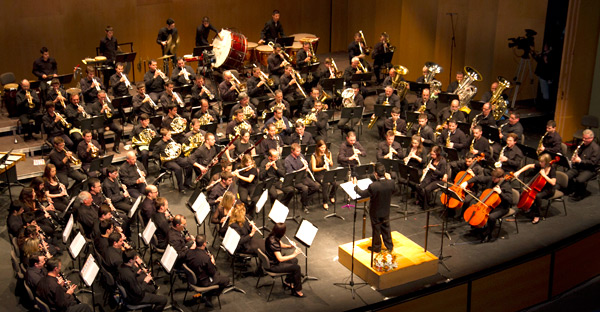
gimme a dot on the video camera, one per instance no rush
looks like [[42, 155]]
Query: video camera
[[524, 43]]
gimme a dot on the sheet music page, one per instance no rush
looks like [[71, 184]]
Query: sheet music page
[[279, 212], [12, 158], [76, 245], [39, 162], [306, 232], [134, 207], [168, 258], [348, 187], [231, 240], [89, 271], [149, 232], [201, 213], [200, 203], [262, 201], [67, 230]]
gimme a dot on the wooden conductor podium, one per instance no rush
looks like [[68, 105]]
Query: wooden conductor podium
[[413, 262]]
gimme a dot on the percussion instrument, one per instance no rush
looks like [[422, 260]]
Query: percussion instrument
[[10, 98], [307, 37], [164, 57], [262, 54], [192, 58], [293, 50], [72, 91], [250, 53], [100, 58], [231, 51]]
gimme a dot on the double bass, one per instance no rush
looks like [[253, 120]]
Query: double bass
[[457, 202], [477, 214], [533, 188]]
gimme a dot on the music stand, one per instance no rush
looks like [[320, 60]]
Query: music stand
[[412, 176], [358, 78], [92, 123], [167, 261], [332, 84], [12, 176], [64, 79], [260, 204], [88, 274], [100, 163], [464, 127], [404, 141], [128, 57], [290, 179], [490, 133], [412, 117], [528, 151], [230, 243], [446, 98], [449, 194], [309, 68], [382, 111], [120, 102], [562, 161], [147, 235], [305, 234], [417, 87], [201, 209], [330, 176], [285, 41], [451, 153], [363, 170]]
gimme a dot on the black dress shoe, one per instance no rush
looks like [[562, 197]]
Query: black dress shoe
[[182, 191], [370, 248]]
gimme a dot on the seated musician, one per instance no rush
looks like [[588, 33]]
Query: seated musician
[[485, 118], [104, 108], [288, 84], [249, 240], [117, 192], [90, 85], [425, 105], [28, 108], [228, 88], [143, 149], [14, 221], [357, 48], [54, 127], [513, 125], [510, 156], [179, 166], [57, 95], [416, 153], [167, 122], [272, 170], [487, 96], [88, 150], [321, 121], [283, 125], [35, 270], [171, 98], [202, 157], [301, 136], [99, 199], [280, 102], [388, 98], [154, 81], [379, 50], [215, 195], [55, 293], [257, 87], [320, 162], [226, 166], [137, 286], [448, 113], [133, 175], [307, 185], [202, 263], [425, 72], [389, 149], [239, 147], [221, 215], [350, 151], [585, 163], [147, 205], [247, 177], [207, 114], [75, 113], [498, 184], [203, 30], [162, 220], [272, 29], [183, 75], [201, 91], [479, 144], [454, 84], [551, 141], [179, 238], [276, 64], [434, 173], [60, 158], [272, 141], [547, 172], [113, 255], [357, 100], [284, 264], [453, 138], [249, 110], [304, 56], [351, 70], [42, 199], [105, 228], [395, 124], [309, 102], [86, 214], [423, 130], [467, 164], [195, 133], [391, 76], [119, 82]]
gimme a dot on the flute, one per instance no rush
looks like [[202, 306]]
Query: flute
[[254, 226], [295, 246]]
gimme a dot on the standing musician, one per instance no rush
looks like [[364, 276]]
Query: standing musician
[[28, 107], [227, 88], [430, 106], [249, 242], [162, 220], [390, 77], [288, 84], [454, 84], [167, 122], [45, 67], [284, 264], [585, 162], [434, 173], [283, 125], [143, 150], [395, 124], [423, 130], [90, 85], [272, 170], [103, 107], [179, 238], [513, 125], [154, 80], [202, 263], [388, 98], [547, 172], [416, 153], [57, 95], [202, 157], [133, 175], [247, 176], [142, 102], [272, 29], [163, 36], [485, 118], [109, 45], [498, 184], [183, 74], [511, 155], [54, 127], [202, 32], [350, 151], [307, 186], [61, 158], [147, 205], [450, 112], [379, 50], [236, 151], [215, 196], [280, 102], [237, 124], [257, 87], [117, 192], [171, 98], [271, 141], [551, 141], [199, 92], [88, 150], [479, 144], [454, 138], [357, 100], [119, 82], [389, 149], [276, 64], [380, 193], [55, 291], [180, 166], [357, 48], [137, 287], [301, 136], [322, 161]]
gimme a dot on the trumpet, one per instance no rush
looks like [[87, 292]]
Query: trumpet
[[97, 85], [72, 158], [185, 74], [63, 121], [208, 93], [162, 75], [61, 99], [29, 99], [178, 99], [107, 111], [295, 246], [254, 226], [93, 150], [151, 102], [541, 143], [83, 112], [127, 83]]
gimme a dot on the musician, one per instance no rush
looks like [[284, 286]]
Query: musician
[[425, 72], [352, 69], [167, 122], [54, 127], [221, 215], [548, 172], [216, 192], [171, 98], [133, 175], [57, 95], [199, 92], [512, 156], [276, 64], [454, 84], [304, 56], [103, 107], [109, 45], [99, 200], [513, 125], [391, 76], [113, 255], [237, 124], [35, 270], [320, 162], [356, 100], [194, 131], [163, 36], [257, 87], [105, 229], [143, 150], [349, 152], [498, 184], [119, 82], [458, 139], [39, 188], [115, 191], [357, 48], [485, 118], [29, 114], [450, 112], [14, 222], [204, 155], [205, 113], [487, 96], [179, 238], [147, 205], [154, 81], [226, 166], [246, 174], [136, 285], [467, 164], [52, 291], [283, 125], [75, 114], [280, 102], [284, 264], [426, 105], [389, 149], [179, 73], [309, 102], [379, 50], [423, 130], [161, 218], [585, 164], [45, 67], [322, 121], [141, 102], [228, 89], [90, 85], [388, 98], [85, 154], [479, 144], [202, 32], [272, 169], [239, 147], [202, 263], [288, 84], [272, 29], [551, 141], [247, 108], [179, 166], [395, 124], [249, 242], [59, 157], [434, 173], [86, 214], [301, 136]]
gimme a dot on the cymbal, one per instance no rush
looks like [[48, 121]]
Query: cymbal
[[164, 57], [73, 91]]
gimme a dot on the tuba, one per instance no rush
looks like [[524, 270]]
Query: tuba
[[465, 90], [178, 125], [348, 98], [143, 139], [401, 87], [172, 151], [193, 142], [435, 86], [498, 103]]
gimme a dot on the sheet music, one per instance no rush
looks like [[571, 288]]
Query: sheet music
[[149, 232], [200, 203], [231, 240], [348, 187], [279, 212], [13, 158], [306, 232], [89, 271], [76, 245], [39, 162], [262, 201], [201, 213], [168, 258], [134, 207], [67, 230]]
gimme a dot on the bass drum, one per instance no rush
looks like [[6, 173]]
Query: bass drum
[[262, 54], [250, 53], [231, 51], [10, 98]]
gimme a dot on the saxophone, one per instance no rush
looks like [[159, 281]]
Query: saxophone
[[421, 109], [448, 142], [541, 143], [471, 146], [475, 120], [576, 152], [440, 128], [498, 164]]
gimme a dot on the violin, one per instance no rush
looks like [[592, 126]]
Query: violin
[[456, 203], [532, 189], [477, 214]]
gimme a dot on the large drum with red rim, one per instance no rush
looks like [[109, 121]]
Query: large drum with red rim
[[250, 53], [230, 52]]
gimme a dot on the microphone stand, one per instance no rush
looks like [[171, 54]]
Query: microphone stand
[[452, 44]]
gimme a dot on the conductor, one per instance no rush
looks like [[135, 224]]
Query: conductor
[[380, 193]]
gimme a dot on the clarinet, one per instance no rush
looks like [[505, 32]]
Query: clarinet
[[425, 171], [121, 187], [48, 216], [67, 285], [43, 238], [140, 172], [145, 269]]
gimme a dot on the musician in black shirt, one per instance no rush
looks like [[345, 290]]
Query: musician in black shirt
[[350, 151], [117, 192], [551, 141], [379, 50], [202, 32], [276, 64], [85, 153], [136, 285], [183, 75], [479, 144], [35, 270], [109, 45], [133, 175], [434, 172], [228, 89], [272, 29], [454, 84], [511, 126], [423, 130], [289, 85], [272, 169], [356, 100], [119, 82], [162, 220], [450, 112], [510, 156], [57, 95], [53, 125], [585, 164], [52, 291], [202, 263], [59, 157], [103, 107], [301, 136], [147, 205], [45, 66], [284, 264], [548, 172], [154, 80], [357, 48], [201, 91], [257, 87], [166, 33], [28, 108], [179, 238], [485, 118], [395, 124]]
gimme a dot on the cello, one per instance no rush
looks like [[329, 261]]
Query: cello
[[533, 188], [456, 203], [477, 214]]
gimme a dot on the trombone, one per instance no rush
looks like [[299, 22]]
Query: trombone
[[268, 82], [299, 81], [365, 50], [287, 59], [335, 73], [239, 87]]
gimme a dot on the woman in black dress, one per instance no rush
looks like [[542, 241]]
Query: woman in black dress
[[246, 174], [320, 162], [223, 213], [284, 264], [249, 241], [56, 192]]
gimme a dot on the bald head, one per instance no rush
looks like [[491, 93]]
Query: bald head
[[131, 158]]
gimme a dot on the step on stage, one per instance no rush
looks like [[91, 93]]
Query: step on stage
[[413, 262]]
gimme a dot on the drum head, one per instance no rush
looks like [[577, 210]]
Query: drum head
[[100, 58], [72, 91], [11, 86], [296, 46], [252, 45], [297, 37], [222, 47], [264, 49]]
